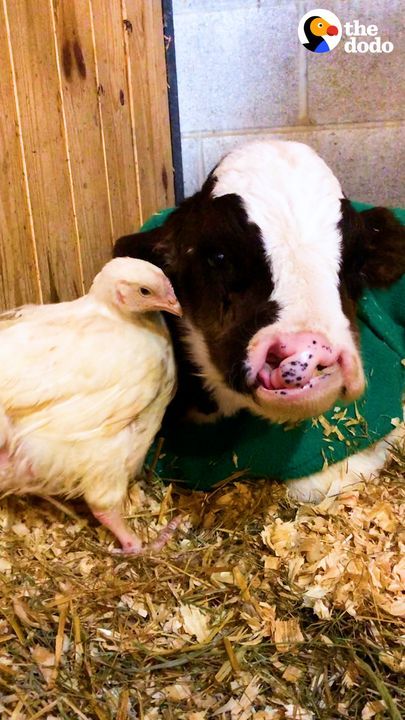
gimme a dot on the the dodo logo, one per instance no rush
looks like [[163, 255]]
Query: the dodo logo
[[319, 30]]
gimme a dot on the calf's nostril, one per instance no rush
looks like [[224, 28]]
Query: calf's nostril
[[273, 360], [296, 360]]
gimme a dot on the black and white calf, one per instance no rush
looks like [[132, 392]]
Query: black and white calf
[[268, 261]]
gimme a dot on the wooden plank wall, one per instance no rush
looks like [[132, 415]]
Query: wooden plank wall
[[84, 138]]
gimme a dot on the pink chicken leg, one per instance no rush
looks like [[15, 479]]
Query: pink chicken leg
[[114, 521], [165, 534], [131, 543]]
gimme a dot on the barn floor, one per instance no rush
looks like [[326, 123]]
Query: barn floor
[[259, 608]]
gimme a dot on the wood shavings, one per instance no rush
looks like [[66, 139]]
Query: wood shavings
[[371, 709], [298, 713], [348, 555], [270, 563], [292, 673], [178, 691], [260, 608], [5, 565], [45, 661], [287, 633], [195, 622], [280, 537], [241, 708]]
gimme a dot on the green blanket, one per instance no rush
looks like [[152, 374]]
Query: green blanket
[[203, 455]]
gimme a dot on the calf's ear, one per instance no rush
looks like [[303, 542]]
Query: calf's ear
[[153, 245], [373, 248]]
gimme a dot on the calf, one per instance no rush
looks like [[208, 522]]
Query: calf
[[268, 261]]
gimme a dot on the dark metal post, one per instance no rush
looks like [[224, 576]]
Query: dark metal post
[[167, 11]]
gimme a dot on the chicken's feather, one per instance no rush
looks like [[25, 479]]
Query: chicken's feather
[[58, 400], [57, 365]]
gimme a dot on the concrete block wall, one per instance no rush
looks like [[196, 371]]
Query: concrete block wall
[[242, 74]]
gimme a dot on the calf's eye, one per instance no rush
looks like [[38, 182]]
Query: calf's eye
[[216, 259]]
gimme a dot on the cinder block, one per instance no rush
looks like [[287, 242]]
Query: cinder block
[[204, 6], [214, 148], [239, 69], [346, 87], [193, 172], [369, 161]]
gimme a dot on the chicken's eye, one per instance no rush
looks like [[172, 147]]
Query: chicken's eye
[[145, 291]]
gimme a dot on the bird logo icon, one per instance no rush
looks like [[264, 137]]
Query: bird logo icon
[[319, 30]]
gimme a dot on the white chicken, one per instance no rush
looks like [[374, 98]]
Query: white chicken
[[83, 389]]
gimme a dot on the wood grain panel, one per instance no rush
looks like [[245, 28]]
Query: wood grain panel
[[85, 146], [148, 88], [85, 153], [114, 102], [31, 32], [19, 282]]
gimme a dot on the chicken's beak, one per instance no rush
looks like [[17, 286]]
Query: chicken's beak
[[170, 303], [173, 307]]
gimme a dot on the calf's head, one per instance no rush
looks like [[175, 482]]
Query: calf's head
[[268, 261]]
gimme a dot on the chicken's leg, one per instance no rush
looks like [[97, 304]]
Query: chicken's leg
[[165, 535], [131, 543], [114, 521]]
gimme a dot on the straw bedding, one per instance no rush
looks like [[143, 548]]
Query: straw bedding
[[259, 608]]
